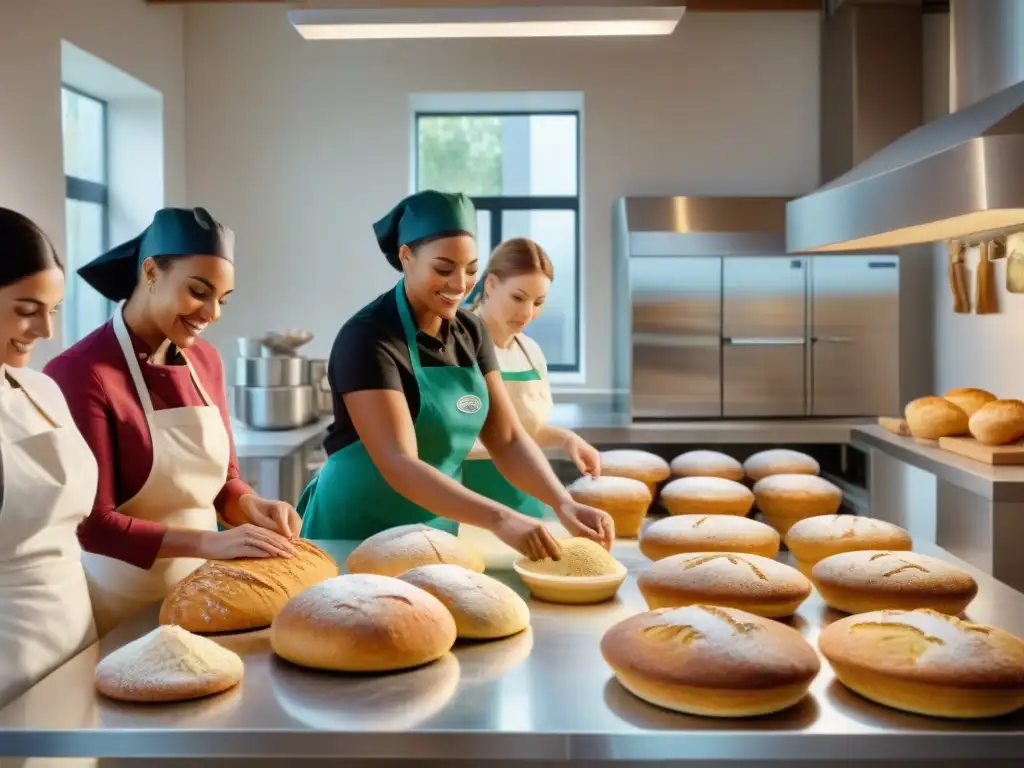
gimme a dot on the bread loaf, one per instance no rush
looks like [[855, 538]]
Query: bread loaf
[[581, 558], [706, 496], [483, 608], [712, 661], [968, 399], [708, 533], [931, 417], [747, 582], [874, 580], [815, 538], [706, 464], [625, 499], [1000, 422], [235, 595], [168, 664], [779, 461], [637, 465], [363, 623], [396, 550], [927, 663], [785, 499]]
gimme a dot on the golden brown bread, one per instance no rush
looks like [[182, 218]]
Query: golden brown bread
[[235, 595], [933, 417], [706, 496], [394, 551], [637, 465], [969, 399], [779, 461], [815, 538], [927, 663], [708, 533], [785, 499], [706, 464], [999, 422], [625, 499], [712, 661]]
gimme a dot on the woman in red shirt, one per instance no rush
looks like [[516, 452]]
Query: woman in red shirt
[[148, 396]]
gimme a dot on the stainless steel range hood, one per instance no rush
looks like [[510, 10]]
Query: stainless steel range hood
[[955, 178]]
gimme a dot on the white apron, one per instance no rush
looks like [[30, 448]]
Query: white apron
[[191, 454]]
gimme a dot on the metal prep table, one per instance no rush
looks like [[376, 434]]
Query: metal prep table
[[276, 463], [545, 695]]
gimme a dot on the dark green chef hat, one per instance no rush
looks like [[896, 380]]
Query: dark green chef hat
[[425, 214], [174, 232]]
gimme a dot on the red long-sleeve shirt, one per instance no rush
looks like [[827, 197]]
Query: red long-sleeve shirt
[[98, 386]]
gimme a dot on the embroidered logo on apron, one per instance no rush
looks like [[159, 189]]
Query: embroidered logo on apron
[[469, 404]]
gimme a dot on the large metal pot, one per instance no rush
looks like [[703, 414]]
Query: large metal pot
[[275, 407], [249, 347], [271, 372]]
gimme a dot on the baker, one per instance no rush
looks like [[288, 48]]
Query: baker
[[415, 382], [148, 396], [48, 475], [510, 296]]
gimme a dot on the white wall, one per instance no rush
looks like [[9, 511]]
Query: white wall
[[145, 41], [299, 146]]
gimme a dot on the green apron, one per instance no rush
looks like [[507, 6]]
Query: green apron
[[350, 499]]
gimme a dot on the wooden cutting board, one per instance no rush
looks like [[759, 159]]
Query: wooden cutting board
[[894, 425], [1005, 455]]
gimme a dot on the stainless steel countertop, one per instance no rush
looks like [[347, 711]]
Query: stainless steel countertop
[[990, 482], [545, 694]]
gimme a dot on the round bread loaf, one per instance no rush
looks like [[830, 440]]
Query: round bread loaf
[[1000, 422], [706, 464], [785, 499], [712, 661], [779, 461], [969, 399], [815, 538], [708, 533], [706, 496], [396, 550], [625, 499], [483, 608], [168, 664], [581, 558], [637, 465], [876, 580], [927, 663], [930, 418], [748, 582], [363, 623]]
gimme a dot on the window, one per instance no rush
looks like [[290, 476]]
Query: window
[[522, 171], [84, 128]]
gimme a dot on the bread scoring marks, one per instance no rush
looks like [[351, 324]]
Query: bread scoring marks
[[934, 628], [904, 565], [701, 521], [855, 525], [433, 546], [733, 559], [697, 622]]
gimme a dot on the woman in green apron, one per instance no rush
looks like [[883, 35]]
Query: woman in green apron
[[511, 294], [415, 382]]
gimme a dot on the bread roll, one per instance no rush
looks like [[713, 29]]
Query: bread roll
[[927, 663], [637, 465], [625, 499], [235, 595], [998, 423], [706, 496], [969, 399], [363, 623], [779, 461], [168, 664], [930, 418], [815, 538], [581, 558], [874, 580], [748, 582], [708, 533], [712, 661], [396, 550], [785, 499], [706, 464], [483, 608]]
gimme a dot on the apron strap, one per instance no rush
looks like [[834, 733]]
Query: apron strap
[[527, 355], [408, 325], [8, 372]]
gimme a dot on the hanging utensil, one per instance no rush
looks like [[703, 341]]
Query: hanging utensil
[[1015, 263], [957, 284], [985, 294]]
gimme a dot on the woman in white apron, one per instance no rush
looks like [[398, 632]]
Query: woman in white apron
[[149, 397], [515, 286]]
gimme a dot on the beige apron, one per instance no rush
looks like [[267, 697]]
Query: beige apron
[[191, 454]]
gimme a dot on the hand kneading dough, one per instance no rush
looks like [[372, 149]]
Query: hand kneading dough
[[815, 538], [784, 499], [927, 663], [396, 550], [637, 465], [581, 558], [363, 623], [706, 464], [483, 608], [1000, 422], [779, 461], [706, 496], [930, 418], [747, 582], [708, 533], [625, 499], [235, 595], [168, 664], [969, 399], [712, 661], [873, 580]]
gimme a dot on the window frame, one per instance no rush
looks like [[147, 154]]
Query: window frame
[[495, 205]]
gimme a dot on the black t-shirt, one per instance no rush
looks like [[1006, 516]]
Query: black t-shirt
[[370, 352]]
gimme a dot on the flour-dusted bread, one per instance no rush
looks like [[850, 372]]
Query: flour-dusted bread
[[785, 499], [363, 623], [712, 661], [706, 496], [969, 399], [644, 466], [927, 662], [396, 550], [815, 538], [930, 418], [999, 422], [483, 607], [236, 595], [706, 464], [625, 499], [779, 461], [168, 664], [681, 534], [875, 580]]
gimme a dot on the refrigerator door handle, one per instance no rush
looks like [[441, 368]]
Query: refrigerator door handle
[[748, 341], [834, 339], [673, 342]]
